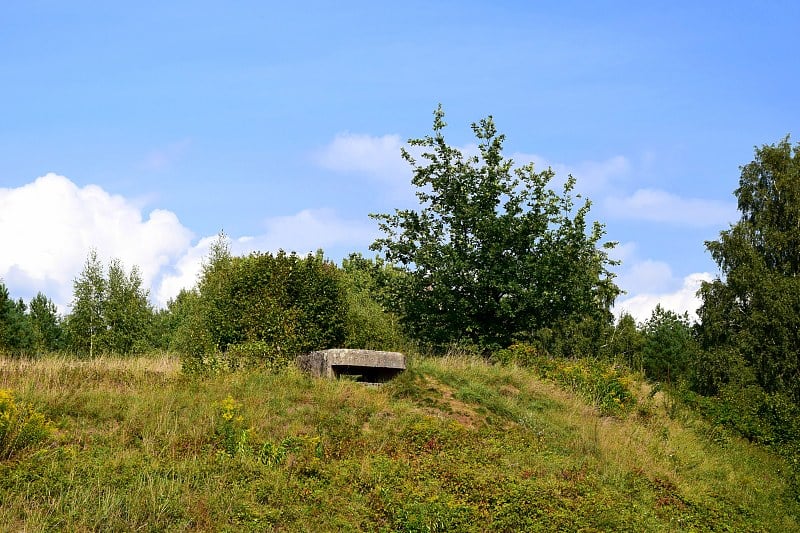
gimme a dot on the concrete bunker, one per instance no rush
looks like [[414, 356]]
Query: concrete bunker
[[368, 366]]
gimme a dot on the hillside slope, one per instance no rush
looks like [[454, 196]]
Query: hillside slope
[[453, 445]]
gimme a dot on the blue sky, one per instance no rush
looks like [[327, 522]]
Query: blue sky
[[143, 130]]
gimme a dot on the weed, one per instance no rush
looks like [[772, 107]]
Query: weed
[[230, 427], [21, 426]]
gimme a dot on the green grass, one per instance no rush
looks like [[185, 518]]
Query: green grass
[[453, 444]]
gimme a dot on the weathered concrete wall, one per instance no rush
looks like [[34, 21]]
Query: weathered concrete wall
[[378, 365]]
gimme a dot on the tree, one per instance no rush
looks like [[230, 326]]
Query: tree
[[625, 343], [372, 290], [45, 323], [668, 348], [260, 309], [493, 253], [85, 323], [753, 308], [15, 330], [110, 313], [128, 315]]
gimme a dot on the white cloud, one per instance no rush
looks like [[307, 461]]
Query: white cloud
[[661, 206], [379, 158], [646, 276], [312, 229], [47, 228], [591, 176], [684, 299], [376, 157]]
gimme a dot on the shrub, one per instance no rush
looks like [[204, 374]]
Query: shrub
[[261, 309], [21, 426], [257, 354], [371, 289]]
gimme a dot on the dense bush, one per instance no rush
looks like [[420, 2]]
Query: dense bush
[[372, 291], [261, 309]]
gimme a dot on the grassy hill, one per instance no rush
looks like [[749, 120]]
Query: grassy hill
[[453, 444]]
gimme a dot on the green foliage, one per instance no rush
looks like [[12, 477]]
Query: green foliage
[[127, 313], [372, 290], [493, 254], [577, 336], [257, 353], [45, 324], [717, 368], [110, 313], [16, 336], [21, 426], [603, 384], [772, 419], [190, 336], [85, 324], [754, 307], [260, 309], [669, 347], [431, 516], [625, 343], [230, 426]]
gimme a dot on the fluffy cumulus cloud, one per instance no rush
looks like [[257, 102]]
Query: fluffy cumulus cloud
[[376, 157], [47, 228], [661, 206], [648, 283], [684, 299]]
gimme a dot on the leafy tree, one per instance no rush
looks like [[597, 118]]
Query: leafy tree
[[15, 330], [190, 336], [45, 323], [493, 254], [127, 312], [669, 347], [110, 313], [753, 307], [85, 323], [625, 342]]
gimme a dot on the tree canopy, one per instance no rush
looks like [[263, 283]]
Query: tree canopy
[[753, 306], [110, 313], [493, 253]]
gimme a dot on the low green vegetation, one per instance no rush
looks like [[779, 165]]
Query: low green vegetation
[[453, 444], [21, 426]]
